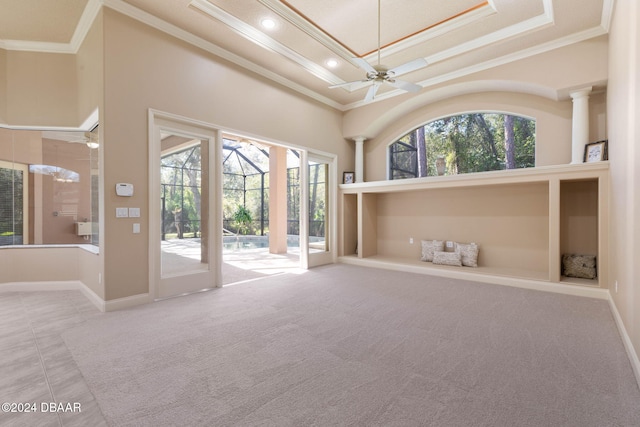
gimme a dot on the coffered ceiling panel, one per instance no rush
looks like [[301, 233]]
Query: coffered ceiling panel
[[453, 37]]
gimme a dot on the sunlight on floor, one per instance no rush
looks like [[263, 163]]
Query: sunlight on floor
[[261, 261]]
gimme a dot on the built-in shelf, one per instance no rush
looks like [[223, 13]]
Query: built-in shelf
[[523, 220]]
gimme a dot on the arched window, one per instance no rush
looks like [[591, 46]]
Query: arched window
[[472, 142]]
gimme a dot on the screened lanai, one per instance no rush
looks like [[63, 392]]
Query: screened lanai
[[245, 205]]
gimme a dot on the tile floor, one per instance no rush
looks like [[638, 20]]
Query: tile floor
[[36, 366]]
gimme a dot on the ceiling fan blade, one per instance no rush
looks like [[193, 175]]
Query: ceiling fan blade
[[364, 65], [408, 67], [372, 92], [404, 85]]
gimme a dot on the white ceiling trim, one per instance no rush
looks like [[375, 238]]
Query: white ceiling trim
[[438, 30], [341, 51], [512, 31], [306, 27], [161, 25], [515, 30], [506, 59], [84, 25], [607, 14], [262, 40]]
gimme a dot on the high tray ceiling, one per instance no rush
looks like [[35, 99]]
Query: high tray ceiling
[[456, 37]]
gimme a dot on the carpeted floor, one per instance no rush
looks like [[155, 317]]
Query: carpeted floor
[[344, 345]]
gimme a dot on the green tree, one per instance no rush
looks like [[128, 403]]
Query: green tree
[[472, 142]]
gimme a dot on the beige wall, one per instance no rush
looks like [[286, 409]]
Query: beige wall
[[41, 89], [509, 222], [64, 203], [39, 264], [89, 62], [623, 111], [144, 69]]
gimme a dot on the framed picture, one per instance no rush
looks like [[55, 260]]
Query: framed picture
[[596, 151], [348, 177]]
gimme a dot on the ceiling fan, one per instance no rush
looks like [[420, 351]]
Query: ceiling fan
[[380, 74]]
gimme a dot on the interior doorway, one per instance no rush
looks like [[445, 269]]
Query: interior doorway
[[183, 217]]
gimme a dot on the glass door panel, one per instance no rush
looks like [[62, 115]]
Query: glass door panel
[[321, 210], [184, 214], [318, 204]]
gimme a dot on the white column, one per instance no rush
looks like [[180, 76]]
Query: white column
[[580, 124], [359, 158]]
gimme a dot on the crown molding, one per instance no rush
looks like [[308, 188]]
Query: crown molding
[[89, 14], [607, 14], [261, 39]]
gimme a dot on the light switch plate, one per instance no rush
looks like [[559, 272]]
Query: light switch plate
[[134, 212], [122, 212], [136, 228]]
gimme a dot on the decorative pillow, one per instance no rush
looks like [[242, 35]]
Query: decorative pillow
[[583, 266], [468, 254], [447, 258], [429, 247]]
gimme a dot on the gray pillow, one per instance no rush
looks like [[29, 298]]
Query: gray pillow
[[429, 247], [582, 266], [447, 258], [468, 253]]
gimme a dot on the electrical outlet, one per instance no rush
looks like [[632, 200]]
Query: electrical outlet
[[411, 240]]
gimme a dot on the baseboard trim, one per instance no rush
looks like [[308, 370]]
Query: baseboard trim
[[626, 340], [91, 296], [127, 302], [70, 285], [516, 282]]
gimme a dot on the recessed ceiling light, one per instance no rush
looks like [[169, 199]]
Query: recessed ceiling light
[[332, 63], [268, 23]]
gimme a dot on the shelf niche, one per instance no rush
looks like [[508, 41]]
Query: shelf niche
[[522, 220], [579, 222]]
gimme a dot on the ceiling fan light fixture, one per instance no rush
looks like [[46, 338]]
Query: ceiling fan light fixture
[[379, 74]]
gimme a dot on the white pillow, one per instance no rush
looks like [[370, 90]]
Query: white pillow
[[468, 253], [447, 258], [429, 247]]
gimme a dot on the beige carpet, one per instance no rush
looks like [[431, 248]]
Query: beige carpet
[[344, 345]]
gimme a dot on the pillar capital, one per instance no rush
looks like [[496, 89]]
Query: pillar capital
[[581, 93], [359, 139]]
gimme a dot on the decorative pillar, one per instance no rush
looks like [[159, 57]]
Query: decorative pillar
[[359, 158], [277, 200], [580, 124]]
